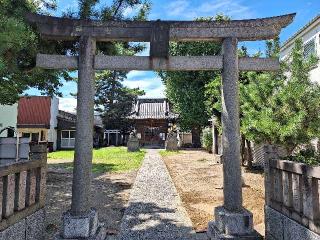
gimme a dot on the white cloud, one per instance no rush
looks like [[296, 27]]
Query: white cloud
[[68, 104], [158, 92], [152, 86], [130, 11], [178, 7], [185, 9], [136, 74]]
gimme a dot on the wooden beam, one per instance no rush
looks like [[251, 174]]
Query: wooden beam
[[244, 30], [181, 63]]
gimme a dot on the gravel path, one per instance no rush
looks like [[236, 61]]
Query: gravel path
[[155, 210]]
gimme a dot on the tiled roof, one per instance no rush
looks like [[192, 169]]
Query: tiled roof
[[67, 116], [34, 111], [151, 108], [300, 31]]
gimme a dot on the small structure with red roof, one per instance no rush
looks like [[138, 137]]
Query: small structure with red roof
[[37, 119]]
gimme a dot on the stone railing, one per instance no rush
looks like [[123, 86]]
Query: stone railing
[[292, 193], [23, 187]]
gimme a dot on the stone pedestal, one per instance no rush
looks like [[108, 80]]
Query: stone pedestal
[[232, 225], [171, 143], [133, 144], [81, 227]]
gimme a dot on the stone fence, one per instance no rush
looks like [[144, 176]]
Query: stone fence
[[292, 200], [22, 196]]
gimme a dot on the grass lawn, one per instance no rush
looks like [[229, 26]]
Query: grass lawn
[[110, 159]]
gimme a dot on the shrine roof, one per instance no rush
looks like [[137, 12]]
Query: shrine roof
[[152, 108]]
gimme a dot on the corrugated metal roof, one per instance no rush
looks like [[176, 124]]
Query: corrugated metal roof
[[34, 111], [151, 108]]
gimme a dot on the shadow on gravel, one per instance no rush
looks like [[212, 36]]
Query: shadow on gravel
[[148, 221], [109, 194]]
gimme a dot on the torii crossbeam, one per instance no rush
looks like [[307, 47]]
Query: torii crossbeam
[[232, 221]]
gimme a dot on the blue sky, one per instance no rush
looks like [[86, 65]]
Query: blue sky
[[190, 9]]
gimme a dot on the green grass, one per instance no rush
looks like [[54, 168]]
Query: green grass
[[165, 153], [111, 159]]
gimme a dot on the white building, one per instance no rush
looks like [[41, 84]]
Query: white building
[[310, 35], [8, 118]]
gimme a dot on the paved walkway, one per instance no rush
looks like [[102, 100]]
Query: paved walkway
[[155, 210]]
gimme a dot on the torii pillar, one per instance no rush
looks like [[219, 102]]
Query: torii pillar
[[232, 221]]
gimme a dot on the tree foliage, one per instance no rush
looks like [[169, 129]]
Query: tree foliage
[[113, 100], [19, 44], [187, 90], [284, 107]]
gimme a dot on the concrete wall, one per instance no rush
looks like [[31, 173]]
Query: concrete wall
[[313, 31], [280, 227], [52, 133], [29, 228], [8, 150], [8, 117], [186, 138]]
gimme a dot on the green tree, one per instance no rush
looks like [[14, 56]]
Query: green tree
[[19, 44], [187, 90], [113, 100], [284, 107]]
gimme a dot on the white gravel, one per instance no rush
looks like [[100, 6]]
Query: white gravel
[[155, 210]]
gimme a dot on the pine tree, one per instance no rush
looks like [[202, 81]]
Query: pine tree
[[284, 107]]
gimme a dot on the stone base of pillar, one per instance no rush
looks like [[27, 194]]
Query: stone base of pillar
[[85, 227], [232, 225]]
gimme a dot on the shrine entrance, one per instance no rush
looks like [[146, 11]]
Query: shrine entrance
[[231, 219]]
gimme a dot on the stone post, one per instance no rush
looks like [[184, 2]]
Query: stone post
[[82, 220], [232, 221], [215, 137], [232, 189], [84, 135]]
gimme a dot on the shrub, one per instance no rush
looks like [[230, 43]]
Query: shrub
[[308, 156], [207, 139]]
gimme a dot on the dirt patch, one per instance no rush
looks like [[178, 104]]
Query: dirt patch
[[199, 181], [110, 194]]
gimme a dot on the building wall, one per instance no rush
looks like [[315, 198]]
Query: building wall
[[313, 31], [64, 124], [8, 117], [142, 124]]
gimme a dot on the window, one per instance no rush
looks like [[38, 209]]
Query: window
[[68, 138], [10, 133], [72, 134], [35, 137], [163, 136], [309, 48], [65, 134], [26, 135]]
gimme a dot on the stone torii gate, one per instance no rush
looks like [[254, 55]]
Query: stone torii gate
[[232, 221]]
